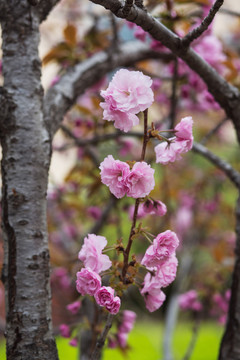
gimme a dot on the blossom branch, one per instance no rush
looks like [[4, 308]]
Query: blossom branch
[[62, 96], [198, 31], [100, 343], [132, 232], [224, 93], [231, 173]]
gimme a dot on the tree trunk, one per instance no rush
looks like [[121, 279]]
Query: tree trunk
[[230, 345], [26, 155]]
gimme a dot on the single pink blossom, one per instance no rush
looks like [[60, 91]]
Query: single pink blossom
[[140, 181], [122, 120], [166, 153], [166, 272], [74, 307], [184, 129], [105, 297], [113, 174], [179, 144], [91, 253], [128, 93], [164, 245], [65, 330], [153, 295], [88, 282], [114, 307]]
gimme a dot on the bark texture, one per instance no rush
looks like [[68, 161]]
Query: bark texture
[[230, 346], [26, 155]]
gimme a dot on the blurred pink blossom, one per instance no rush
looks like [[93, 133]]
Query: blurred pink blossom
[[65, 330], [189, 301], [74, 307]]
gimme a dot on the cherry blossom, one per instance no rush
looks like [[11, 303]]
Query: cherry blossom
[[91, 253]]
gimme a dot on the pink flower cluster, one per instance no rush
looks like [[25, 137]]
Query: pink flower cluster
[[149, 207], [117, 175], [160, 259], [189, 301], [180, 144], [88, 279], [128, 93]]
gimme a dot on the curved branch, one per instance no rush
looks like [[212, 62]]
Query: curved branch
[[63, 95], [223, 165], [225, 94], [231, 173]]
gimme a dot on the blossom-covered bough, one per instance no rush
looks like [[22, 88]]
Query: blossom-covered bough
[[128, 94]]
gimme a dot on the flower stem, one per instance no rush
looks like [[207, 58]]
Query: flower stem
[[132, 231]]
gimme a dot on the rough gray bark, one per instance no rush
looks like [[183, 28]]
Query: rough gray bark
[[230, 345], [26, 156], [63, 95]]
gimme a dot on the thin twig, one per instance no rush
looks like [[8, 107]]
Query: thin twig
[[192, 343], [231, 173], [213, 131], [100, 343], [198, 31], [173, 102], [229, 12], [130, 239], [127, 7]]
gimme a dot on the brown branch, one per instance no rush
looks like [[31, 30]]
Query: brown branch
[[100, 343], [231, 173], [132, 231], [198, 31]]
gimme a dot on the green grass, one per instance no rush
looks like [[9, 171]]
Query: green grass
[[146, 343]]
